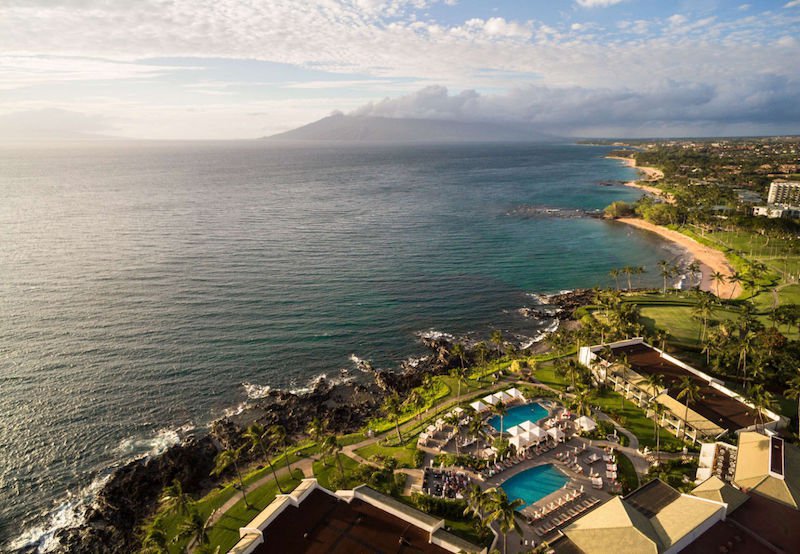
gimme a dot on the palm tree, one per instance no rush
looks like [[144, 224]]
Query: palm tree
[[173, 498], [614, 273], [762, 399], [457, 351], [628, 271], [227, 458], [454, 420], [415, 401], [657, 410], [582, 400], [477, 501], [665, 269], [624, 366], [392, 407], [195, 528], [279, 436], [316, 429], [734, 279], [481, 351], [331, 446], [745, 346], [156, 540], [504, 513], [475, 426], [689, 390], [704, 310], [661, 337], [718, 279], [793, 391], [459, 373], [255, 435], [497, 339], [500, 409]]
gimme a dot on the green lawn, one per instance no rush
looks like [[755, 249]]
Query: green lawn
[[626, 473], [403, 454], [226, 532], [633, 418], [324, 472], [546, 374]]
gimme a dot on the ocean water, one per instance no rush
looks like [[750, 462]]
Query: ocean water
[[145, 288]]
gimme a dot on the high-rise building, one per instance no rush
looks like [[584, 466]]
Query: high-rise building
[[784, 192]]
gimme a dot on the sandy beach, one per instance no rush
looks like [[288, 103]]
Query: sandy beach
[[651, 174], [711, 260]]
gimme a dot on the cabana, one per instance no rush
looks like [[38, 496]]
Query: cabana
[[585, 424], [503, 397], [515, 430], [491, 399], [556, 433], [440, 423], [458, 410], [515, 393], [479, 406], [538, 434], [528, 425]]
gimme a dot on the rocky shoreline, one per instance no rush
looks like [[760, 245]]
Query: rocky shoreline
[[131, 494]]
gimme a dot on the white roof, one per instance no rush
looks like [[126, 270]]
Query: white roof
[[503, 396], [515, 430], [586, 423], [431, 428], [458, 410], [491, 399], [556, 433], [538, 432], [478, 406], [527, 425], [516, 393]]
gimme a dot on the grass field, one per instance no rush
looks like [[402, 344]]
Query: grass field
[[403, 454], [633, 418]]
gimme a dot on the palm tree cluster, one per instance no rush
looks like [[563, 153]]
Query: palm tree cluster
[[493, 505]]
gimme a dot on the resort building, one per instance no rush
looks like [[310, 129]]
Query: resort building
[[784, 192], [626, 365], [312, 519], [654, 518]]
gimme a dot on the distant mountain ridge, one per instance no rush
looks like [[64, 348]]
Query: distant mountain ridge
[[351, 128]]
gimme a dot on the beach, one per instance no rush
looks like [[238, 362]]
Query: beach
[[651, 174], [711, 260]]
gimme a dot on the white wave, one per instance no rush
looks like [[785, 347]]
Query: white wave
[[436, 335], [71, 512], [343, 378], [235, 410], [541, 335], [361, 364], [254, 391], [155, 445]]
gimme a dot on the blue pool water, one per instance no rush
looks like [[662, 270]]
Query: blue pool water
[[516, 415], [534, 484]]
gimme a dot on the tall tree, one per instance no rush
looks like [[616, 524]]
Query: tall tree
[[460, 374], [614, 273], [392, 407], [224, 460], [194, 528], [257, 435], [689, 390], [501, 410], [280, 437], [331, 446], [174, 498], [496, 338], [793, 391], [763, 400], [718, 279], [624, 366], [504, 512], [658, 411], [665, 269], [156, 540]]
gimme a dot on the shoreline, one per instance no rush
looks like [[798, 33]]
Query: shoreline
[[710, 259], [651, 175]]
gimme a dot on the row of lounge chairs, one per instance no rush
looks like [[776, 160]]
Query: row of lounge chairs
[[499, 467], [567, 515]]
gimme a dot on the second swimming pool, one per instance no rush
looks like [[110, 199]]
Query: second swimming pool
[[535, 483]]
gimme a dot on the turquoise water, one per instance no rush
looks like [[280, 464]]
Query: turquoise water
[[143, 284], [517, 414], [535, 483]]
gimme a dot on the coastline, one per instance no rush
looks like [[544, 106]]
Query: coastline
[[711, 260], [651, 175]]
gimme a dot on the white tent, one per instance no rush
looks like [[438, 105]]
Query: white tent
[[556, 433], [537, 434], [515, 430], [491, 399], [503, 396], [527, 425], [439, 424], [515, 393], [479, 406], [458, 410], [585, 424], [430, 429]]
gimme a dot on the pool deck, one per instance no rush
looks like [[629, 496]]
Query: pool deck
[[576, 480]]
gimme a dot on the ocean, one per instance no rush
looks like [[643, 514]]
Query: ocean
[[145, 288]]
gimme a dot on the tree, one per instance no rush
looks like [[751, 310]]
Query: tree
[[501, 410], [227, 458], [665, 269], [475, 425], [504, 513], [477, 501], [481, 352], [156, 540], [614, 273], [415, 401], [195, 528], [582, 401], [279, 436], [256, 434], [331, 446], [689, 390], [173, 498], [734, 279], [454, 420], [654, 383], [763, 400], [657, 410], [316, 429], [793, 391], [718, 279], [459, 373], [457, 351], [704, 310], [391, 405], [496, 338], [624, 366]]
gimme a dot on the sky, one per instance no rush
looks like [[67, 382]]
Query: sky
[[228, 69]]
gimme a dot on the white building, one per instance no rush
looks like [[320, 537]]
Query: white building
[[784, 192]]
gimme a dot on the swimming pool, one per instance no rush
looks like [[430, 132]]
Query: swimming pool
[[534, 484], [516, 415]]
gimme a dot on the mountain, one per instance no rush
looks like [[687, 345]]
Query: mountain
[[350, 128]]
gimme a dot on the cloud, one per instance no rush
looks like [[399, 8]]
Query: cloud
[[52, 124], [792, 4], [597, 3], [748, 102]]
